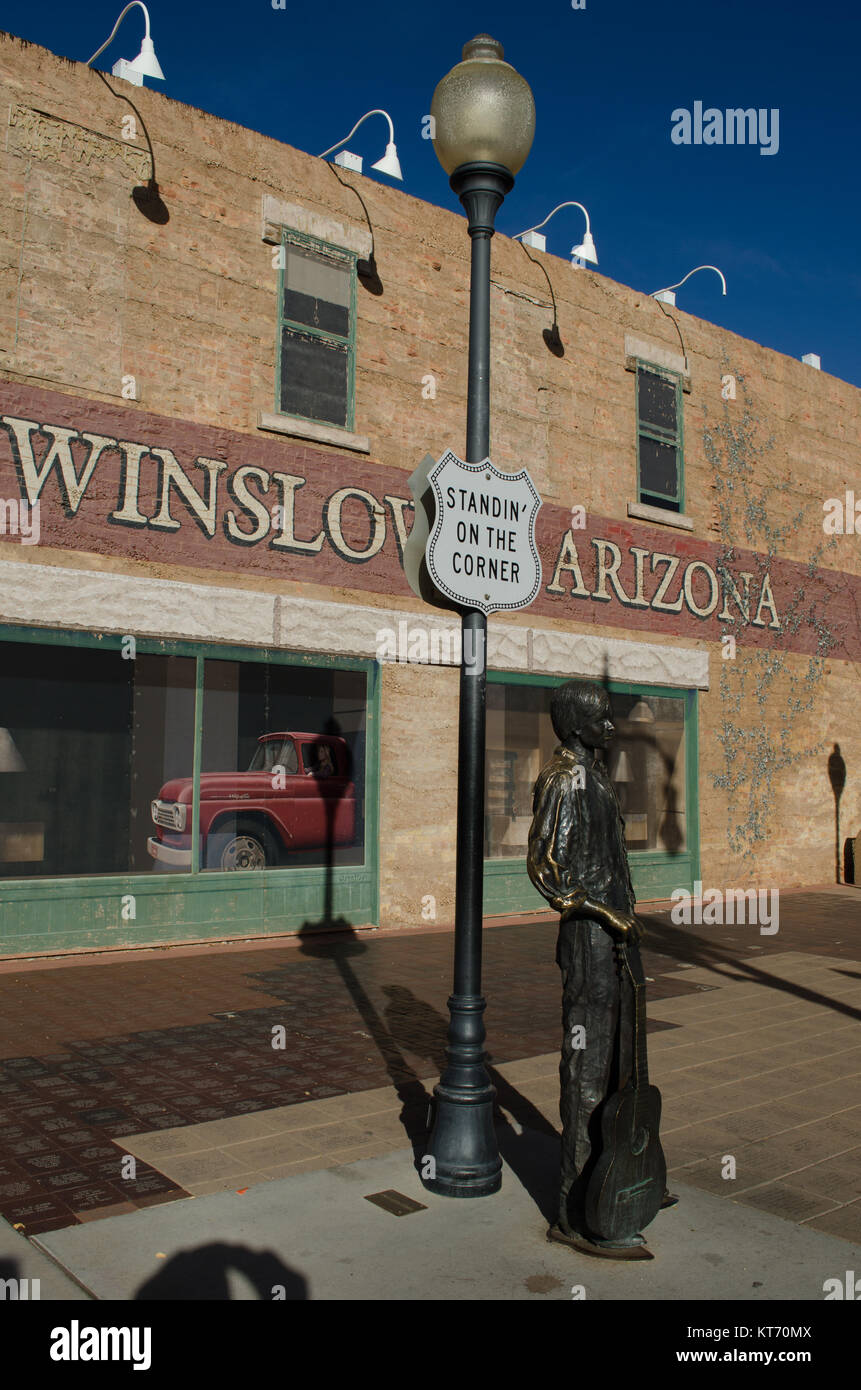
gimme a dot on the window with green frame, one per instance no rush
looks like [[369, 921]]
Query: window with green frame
[[652, 762], [660, 451], [316, 331], [646, 764], [129, 740]]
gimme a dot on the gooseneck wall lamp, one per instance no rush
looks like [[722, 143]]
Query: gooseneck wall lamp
[[146, 64], [584, 252], [389, 164], [484, 122], [667, 296]]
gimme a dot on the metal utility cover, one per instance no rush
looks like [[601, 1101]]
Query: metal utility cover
[[395, 1202]]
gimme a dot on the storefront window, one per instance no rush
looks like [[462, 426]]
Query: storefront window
[[86, 738], [646, 764], [97, 758]]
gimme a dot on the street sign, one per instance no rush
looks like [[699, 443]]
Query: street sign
[[414, 562], [481, 550]]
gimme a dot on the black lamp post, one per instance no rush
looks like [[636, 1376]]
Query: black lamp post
[[484, 122]]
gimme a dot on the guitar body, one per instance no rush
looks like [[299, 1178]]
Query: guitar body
[[628, 1182], [629, 1179]]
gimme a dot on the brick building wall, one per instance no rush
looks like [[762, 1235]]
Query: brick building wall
[[92, 292]]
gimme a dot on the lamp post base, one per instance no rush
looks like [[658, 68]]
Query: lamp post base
[[462, 1144]]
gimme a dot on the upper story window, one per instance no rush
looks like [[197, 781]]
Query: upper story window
[[317, 331], [660, 459]]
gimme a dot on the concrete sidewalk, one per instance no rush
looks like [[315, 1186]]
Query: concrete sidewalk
[[36, 1275], [316, 1236]]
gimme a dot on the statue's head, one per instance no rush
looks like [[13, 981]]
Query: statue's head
[[581, 710]]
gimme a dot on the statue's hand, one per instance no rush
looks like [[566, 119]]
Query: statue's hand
[[635, 930], [569, 901], [629, 927]]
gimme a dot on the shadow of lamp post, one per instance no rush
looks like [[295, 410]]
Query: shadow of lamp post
[[483, 124]]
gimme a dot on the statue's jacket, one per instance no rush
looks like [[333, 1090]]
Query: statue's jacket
[[577, 837], [577, 846]]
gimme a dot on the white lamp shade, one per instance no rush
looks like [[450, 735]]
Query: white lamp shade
[[586, 250], [642, 713], [146, 63], [10, 758], [389, 164], [622, 771]]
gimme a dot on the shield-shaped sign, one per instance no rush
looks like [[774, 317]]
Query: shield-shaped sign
[[481, 551]]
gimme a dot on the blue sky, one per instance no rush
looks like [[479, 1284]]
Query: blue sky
[[784, 228]]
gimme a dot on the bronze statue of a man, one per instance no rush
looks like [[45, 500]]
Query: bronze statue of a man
[[578, 861]]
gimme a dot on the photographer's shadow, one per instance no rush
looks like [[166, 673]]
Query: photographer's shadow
[[201, 1274]]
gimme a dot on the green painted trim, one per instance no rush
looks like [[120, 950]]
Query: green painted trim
[[350, 259], [112, 641], [655, 873], [174, 908], [57, 914], [373, 698], [615, 687], [521, 678], [692, 753], [675, 437], [196, 762]]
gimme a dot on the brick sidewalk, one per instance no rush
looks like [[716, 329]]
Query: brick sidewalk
[[189, 1047], [733, 1084]]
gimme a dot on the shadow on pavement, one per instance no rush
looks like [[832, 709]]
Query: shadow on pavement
[[202, 1274], [681, 945]]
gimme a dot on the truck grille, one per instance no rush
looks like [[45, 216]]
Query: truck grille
[[162, 814]]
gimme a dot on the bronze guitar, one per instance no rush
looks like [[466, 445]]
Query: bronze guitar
[[629, 1180]]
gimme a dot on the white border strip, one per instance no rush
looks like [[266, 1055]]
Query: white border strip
[[656, 353], [81, 600], [278, 214]]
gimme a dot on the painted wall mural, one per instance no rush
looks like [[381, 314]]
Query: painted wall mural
[[134, 485]]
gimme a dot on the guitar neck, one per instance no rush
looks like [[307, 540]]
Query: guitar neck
[[630, 957]]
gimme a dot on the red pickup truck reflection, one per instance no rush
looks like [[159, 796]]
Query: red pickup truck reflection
[[296, 795]]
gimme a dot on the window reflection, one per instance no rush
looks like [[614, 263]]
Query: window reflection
[[283, 766], [647, 766], [646, 763], [87, 739]]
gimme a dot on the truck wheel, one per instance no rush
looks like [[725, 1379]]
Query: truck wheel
[[241, 846]]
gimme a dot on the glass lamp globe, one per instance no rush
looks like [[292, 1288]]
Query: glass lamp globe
[[483, 110]]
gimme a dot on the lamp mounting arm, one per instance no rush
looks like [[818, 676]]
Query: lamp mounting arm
[[570, 204], [131, 6], [341, 143], [688, 276]]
